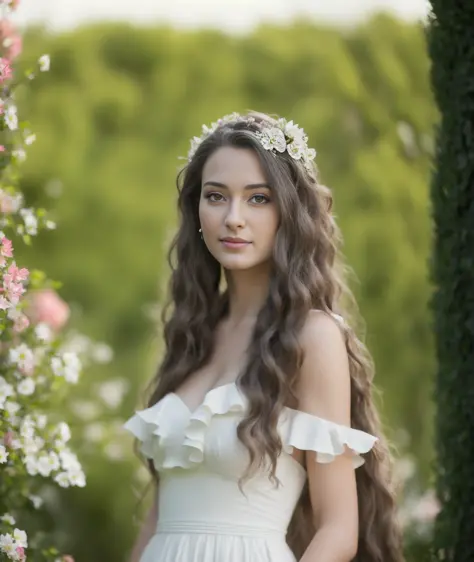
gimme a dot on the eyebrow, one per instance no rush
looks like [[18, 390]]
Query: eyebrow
[[248, 186]]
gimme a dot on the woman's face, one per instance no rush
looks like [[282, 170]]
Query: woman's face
[[236, 201]]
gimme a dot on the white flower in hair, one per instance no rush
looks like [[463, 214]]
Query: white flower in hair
[[295, 133], [295, 150], [273, 138], [283, 136], [195, 142]]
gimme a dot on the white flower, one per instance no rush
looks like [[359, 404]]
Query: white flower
[[6, 390], [19, 154], [31, 224], [3, 455], [310, 154], [195, 142], [63, 431], [33, 445], [295, 150], [36, 501], [8, 545], [44, 63], [41, 420], [57, 366], [22, 356], [72, 366], [102, 353], [77, 478], [114, 451], [27, 429], [50, 225], [20, 537], [67, 366], [94, 432], [43, 332], [30, 139], [4, 303], [8, 519], [62, 479], [113, 391], [69, 460], [48, 463], [11, 118], [12, 407], [26, 387], [31, 464], [295, 133], [85, 409], [273, 138]]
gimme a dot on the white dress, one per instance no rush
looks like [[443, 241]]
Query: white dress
[[203, 515]]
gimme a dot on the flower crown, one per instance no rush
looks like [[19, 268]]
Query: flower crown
[[282, 136]]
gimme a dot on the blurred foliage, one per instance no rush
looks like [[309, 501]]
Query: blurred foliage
[[116, 110]]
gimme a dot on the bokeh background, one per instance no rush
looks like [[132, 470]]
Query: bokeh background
[[130, 84]]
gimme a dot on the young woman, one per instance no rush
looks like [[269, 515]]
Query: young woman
[[262, 405]]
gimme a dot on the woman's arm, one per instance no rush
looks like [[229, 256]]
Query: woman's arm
[[147, 530], [324, 391]]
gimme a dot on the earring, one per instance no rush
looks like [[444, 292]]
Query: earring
[[200, 230]]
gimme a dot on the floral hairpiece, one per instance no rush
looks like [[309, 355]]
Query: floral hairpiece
[[283, 136]]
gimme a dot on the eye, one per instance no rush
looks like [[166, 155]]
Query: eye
[[212, 197], [262, 199]]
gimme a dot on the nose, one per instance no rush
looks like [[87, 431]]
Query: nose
[[234, 218]]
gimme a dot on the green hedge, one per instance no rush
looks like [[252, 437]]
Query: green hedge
[[451, 47]]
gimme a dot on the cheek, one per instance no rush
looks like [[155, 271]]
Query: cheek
[[209, 218], [268, 225]]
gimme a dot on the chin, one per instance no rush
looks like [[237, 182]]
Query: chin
[[236, 265]]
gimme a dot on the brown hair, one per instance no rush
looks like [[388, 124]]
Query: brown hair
[[308, 273]]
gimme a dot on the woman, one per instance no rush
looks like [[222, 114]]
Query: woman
[[262, 406]]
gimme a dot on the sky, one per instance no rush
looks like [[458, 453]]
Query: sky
[[235, 16]]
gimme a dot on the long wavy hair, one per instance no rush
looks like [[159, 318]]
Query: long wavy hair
[[307, 273]]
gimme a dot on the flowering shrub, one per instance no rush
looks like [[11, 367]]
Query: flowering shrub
[[37, 365]]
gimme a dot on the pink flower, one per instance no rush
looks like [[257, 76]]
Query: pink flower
[[48, 307], [68, 558], [13, 291], [10, 40], [8, 438], [7, 247], [15, 274], [20, 551], [5, 70], [427, 507], [8, 203], [21, 323]]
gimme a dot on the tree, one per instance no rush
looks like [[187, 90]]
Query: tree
[[451, 47]]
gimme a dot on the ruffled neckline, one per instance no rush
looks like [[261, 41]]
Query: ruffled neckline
[[156, 425], [227, 394]]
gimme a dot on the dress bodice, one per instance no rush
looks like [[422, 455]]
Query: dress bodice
[[200, 460]]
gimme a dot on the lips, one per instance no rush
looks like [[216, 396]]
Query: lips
[[234, 243], [235, 240]]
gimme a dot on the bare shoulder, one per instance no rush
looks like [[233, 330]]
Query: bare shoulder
[[321, 325], [324, 379]]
